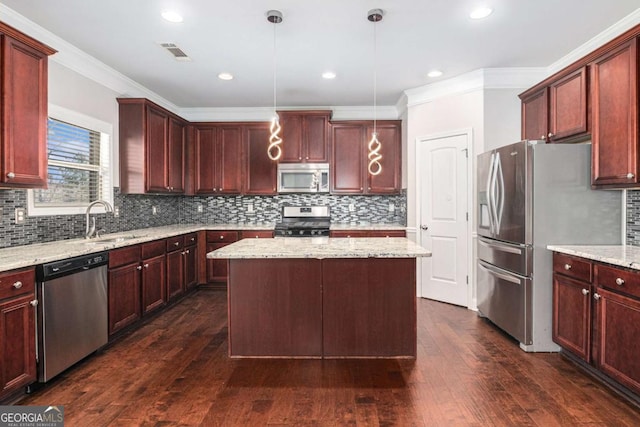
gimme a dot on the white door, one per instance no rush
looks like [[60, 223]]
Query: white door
[[443, 227]]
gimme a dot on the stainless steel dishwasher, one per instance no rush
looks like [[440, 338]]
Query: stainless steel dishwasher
[[72, 311]]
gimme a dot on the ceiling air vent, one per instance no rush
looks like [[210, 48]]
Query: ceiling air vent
[[174, 50]]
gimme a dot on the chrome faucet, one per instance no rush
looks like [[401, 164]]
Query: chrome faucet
[[90, 231]]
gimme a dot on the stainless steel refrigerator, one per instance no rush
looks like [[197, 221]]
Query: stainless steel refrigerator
[[530, 195]]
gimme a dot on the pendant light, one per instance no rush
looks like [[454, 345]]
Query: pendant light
[[274, 151], [374, 146]]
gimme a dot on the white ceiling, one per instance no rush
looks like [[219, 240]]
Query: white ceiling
[[414, 37]]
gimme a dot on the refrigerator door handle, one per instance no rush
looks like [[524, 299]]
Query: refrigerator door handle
[[502, 275], [501, 247], [491, 197], [499, 206]]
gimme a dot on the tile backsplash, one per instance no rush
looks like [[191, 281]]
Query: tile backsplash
[[633, 217], [135, 212]]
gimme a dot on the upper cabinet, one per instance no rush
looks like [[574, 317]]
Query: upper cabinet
[[349, 160], [614, 106], [305, 136], [152, 144], [260, 172], [23, 102], [558, 110], [218, 158]]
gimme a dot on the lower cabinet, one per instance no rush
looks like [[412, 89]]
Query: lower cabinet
[[217, 269], [154, 292], [182, 264], [124, 287], [17, 331], [596, 316], [368, 233]]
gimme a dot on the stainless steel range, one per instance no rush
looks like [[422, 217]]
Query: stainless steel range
[[304, 221]]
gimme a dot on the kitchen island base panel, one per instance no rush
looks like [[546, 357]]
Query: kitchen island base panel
[[333, 308], [275, 308], [369, 307]]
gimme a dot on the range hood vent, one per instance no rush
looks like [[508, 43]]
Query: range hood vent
[[174, 50]]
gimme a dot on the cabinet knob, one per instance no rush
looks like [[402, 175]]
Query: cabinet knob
[[215, 189], [11, 175], [187, 251], [619, 281], [193, 239], [34, 303], [221, 237], [550, 135], [567, 266], [139, 267], [585, 292], [596, 296], [542, 137], [630, 175], [176, 243], [17, 285], [307, 157], [146, 266]]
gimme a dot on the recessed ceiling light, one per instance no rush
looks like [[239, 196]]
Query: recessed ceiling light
[[329, 75], [481, 12], [225, 76], [434, 73], [172, 16]]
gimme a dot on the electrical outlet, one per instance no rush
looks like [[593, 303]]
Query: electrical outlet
[[21, 213], [352, 207], [199, 208], [154, 210], [392, 207], [250, 208], [116, 211]]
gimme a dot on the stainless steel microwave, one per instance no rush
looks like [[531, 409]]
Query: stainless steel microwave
[[303, 178]]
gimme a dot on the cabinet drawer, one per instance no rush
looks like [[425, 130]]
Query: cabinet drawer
[[175, 243], [349, 233], [222, 236], [259, 234], [153, 249], [618, 280], [578, 268], [387, 233], [15, 283], [123, 256], [191, 239]]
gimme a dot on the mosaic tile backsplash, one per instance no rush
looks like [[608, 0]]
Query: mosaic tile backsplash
[[633, 217], [135, 212]]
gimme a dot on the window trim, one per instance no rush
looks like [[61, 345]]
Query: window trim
[[78, 119]]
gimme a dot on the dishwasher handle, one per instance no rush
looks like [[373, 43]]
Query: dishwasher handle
[[53, 270]]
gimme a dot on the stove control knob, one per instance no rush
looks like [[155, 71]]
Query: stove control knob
[[289, 232], [301, 232]]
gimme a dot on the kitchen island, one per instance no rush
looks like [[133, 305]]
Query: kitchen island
[[318, 297]]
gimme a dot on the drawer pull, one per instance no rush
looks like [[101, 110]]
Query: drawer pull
[[139, 267], [596, 296], [176, 243], [193, 239], [585, 292], [146, 266], [567, 266], [630, 175], [34, 303], [11, 175], [221, 237], [17, 285], [619, 281]]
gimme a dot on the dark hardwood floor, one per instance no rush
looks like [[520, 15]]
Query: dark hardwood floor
[[175, 371]]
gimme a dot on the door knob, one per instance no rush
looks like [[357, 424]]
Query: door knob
[[424, 227]]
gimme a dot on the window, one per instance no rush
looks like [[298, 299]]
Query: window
[[79, 154]]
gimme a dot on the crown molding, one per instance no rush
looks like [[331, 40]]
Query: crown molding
[[82, 63], [264, 114], [625, 24]]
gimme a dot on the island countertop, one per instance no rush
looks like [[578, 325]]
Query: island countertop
[[321, 247]]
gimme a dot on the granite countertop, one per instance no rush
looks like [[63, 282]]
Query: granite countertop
[[620, 255], [30, 255], [322, 247]]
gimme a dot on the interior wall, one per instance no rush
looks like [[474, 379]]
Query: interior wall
[[502, 117]]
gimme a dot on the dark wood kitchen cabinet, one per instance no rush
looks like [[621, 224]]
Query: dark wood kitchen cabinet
[[152, 147], [349, 161], [614, 106], [218, 158], [259, 170], [305, 136], [182, 264], [191, 260], [17, 331], [124, 288], [217, 269], [23, 102], [572, 291], [557, 111], [153, 280], [598, 319]]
